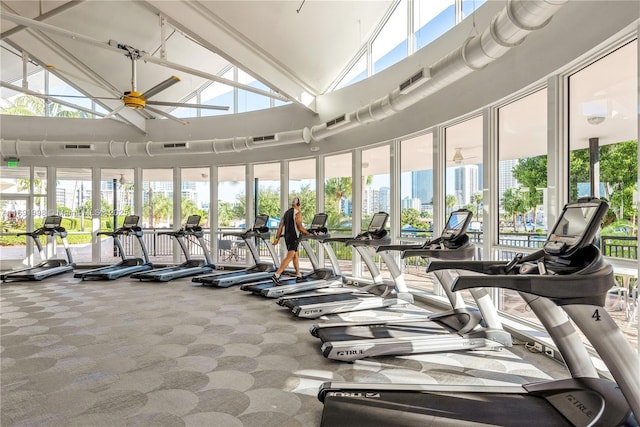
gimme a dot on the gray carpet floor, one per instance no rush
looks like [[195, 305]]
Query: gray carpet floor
[[129, 353]]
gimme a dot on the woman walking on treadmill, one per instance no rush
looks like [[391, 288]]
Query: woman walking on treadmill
[[292, 225]]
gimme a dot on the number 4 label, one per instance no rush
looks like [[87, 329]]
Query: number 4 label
[[596, 315]]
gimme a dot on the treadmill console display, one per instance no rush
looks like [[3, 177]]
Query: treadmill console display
[[52, 221], [576, 227], [261, 221], [318, 222], [378, 222], [192, 221], [130, 221], [457, 224]]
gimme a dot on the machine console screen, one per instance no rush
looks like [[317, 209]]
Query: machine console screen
[[378, 222], [130, 221], [52, 221]]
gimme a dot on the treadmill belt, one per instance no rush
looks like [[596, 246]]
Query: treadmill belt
[[347, 333], [323, 299], [439, 409]]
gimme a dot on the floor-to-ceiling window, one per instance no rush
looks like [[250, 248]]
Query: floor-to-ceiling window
[[116, 201], [73, 202], [416, 202], [232, 210], [194, 200], [603, 143], [157, 211], [522, 171], [522, 185], [267, 189], [463, 173], [376, 188], [302, 184], [338, 199], [18, 216]]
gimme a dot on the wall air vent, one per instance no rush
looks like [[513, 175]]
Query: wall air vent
[[407, 84], [336, 121], [78, 146], [264, 138], [176, 145]]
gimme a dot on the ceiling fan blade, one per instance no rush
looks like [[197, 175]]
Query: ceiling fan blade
[[167, 115], [160, 87], [183, 105], [114, 112]]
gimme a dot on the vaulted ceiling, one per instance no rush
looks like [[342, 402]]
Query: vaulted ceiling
[[296, 48]]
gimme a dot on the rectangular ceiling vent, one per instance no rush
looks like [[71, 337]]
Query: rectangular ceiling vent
[[264, 138], [176, 145], [336, 121], [411, 81], [78, 146]]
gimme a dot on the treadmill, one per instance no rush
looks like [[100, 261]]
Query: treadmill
[[462, 328], [47, 267], [259, 271], [190, 267], [381, 293], [320, 277], [128, 265], [568, 277]]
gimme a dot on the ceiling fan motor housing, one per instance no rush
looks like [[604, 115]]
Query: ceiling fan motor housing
[[134, 100]]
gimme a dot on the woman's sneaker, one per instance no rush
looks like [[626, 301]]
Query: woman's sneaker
[[275, 279]]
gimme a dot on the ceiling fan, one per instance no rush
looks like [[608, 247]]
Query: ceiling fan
[[132, 98], [458, 158]]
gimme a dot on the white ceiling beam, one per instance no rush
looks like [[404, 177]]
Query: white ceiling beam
[[196, 20]]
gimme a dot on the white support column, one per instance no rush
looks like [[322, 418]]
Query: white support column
[[439, 178], [52, 207], [557, 149], [249, 201], [138, 203], [177, 211], [96, 214], [213, 213], [490, 183], [395, 208], [284, 197], [320, 207], [356, 208]]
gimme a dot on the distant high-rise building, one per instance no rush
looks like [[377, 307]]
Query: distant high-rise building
[[422, 186], [345, 206], [505, 176], [410, 203], [384, 199], [462, 182]]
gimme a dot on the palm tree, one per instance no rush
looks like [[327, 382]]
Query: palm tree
[[28, 105]]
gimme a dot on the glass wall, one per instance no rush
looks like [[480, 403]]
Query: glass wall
[[416, 203], [522, 171], [431, 19], [231, 213], [73, 203], [603, 117], [390, 45], [195, 200], [302, 184], [337, 192], [522, 185], [463, 176], [116, 201], [157, 212], [267, 189], [18, 216]]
